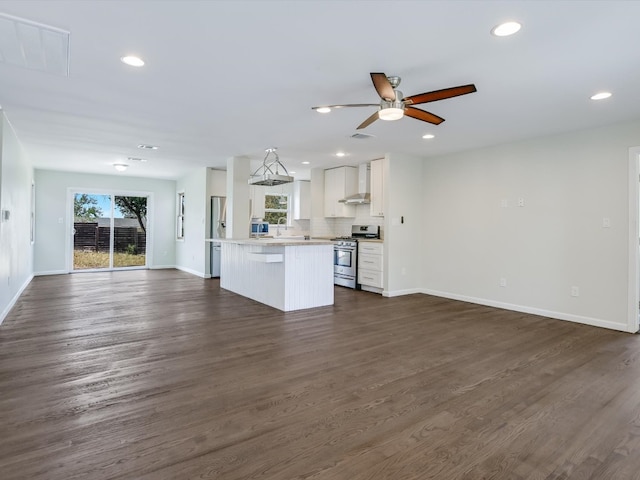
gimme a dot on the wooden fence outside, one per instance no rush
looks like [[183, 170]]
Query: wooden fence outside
[[89, 236]]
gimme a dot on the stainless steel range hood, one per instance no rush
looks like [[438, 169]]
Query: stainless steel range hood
[[268, 173], [363, 196], [357, 199]]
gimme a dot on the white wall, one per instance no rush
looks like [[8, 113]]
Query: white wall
[[216, 183], [53, 219], [402, 224], [569, 183], [238, 209], [192, 251], [16, 251]]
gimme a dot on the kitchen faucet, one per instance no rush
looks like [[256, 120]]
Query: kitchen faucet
[[278, 225]]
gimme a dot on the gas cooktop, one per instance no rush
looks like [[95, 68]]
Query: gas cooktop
[[361, 231]]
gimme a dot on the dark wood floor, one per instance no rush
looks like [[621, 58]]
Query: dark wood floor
[[162, 375]]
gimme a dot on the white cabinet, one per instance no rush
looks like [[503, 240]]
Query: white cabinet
[[301, 200], [377, 188], [339, 183], [370, 266], [256, 194]]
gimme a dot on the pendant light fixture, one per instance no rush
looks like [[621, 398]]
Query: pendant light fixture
[[269, 172]]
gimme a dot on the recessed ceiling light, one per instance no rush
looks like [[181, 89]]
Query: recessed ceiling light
[[147, 147], [506, 29], [121, 167], [600, 96], [136, 159], [306, 163], [323, 109], [292, 172], [340, 154], [428, 135], [132, 61]]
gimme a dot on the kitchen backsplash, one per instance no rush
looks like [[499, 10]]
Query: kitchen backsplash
[[338, 227], [298, 227]]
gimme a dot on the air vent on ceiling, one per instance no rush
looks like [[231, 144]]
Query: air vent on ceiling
[[362, 136], [33, 45]]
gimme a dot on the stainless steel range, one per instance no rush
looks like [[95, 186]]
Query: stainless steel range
[[345, 254]]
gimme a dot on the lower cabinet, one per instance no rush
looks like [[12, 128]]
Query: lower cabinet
[[370, 268]]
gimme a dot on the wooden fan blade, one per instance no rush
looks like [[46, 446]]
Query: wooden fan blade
[[422, 115], [368, 121], [347, 105], [440, 94], [383, 87]]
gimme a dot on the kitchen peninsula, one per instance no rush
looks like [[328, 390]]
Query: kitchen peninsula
[[287, 274]]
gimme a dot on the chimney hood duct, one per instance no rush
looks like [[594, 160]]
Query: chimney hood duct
[[363, 196], [268, 173]]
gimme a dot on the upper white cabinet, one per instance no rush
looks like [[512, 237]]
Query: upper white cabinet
[[301, 200], [377, 188], [339, 183], [256, 194]]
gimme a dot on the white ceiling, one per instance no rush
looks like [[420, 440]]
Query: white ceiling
[[228, 78]]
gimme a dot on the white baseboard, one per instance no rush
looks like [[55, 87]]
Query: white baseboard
[[51, 272], [595, 322], [192, 272], [398, 293], [162, 267], [15, 298]]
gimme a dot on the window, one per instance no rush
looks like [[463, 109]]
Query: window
[[180, 218], [276, 207], [33, 213]]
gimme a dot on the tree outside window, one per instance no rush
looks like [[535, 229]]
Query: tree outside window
[[275, 208]]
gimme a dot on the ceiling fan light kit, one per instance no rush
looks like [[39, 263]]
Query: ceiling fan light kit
[[391, 113], [394, 105]]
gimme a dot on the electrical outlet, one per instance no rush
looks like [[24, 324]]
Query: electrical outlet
[[503, 282], [521, 202], [504, 202], [575, 291], [606, 222]]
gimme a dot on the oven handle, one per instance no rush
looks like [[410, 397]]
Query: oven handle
[[346, 277]]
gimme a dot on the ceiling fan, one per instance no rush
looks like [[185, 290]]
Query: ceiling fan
[[393, 105]]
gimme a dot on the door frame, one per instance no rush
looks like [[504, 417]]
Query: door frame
[[71, 192], [634, 241]]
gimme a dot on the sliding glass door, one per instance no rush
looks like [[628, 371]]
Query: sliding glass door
[[109, 231]]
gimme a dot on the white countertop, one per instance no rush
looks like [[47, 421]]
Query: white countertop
[[273, 242]]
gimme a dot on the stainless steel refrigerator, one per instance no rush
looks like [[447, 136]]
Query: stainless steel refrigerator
[[218, 230]]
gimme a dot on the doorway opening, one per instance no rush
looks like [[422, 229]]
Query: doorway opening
[[109, 231], [634, 240]]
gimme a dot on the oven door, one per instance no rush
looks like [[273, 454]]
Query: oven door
[[344, 260], [343, 257]]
